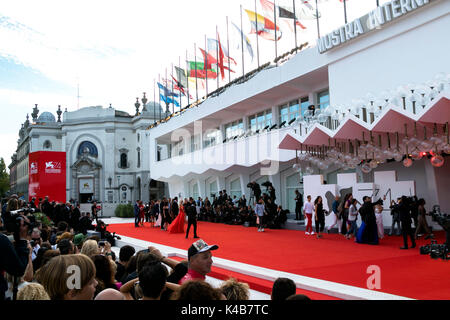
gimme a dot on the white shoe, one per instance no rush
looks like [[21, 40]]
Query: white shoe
[[307, 233], [313, 233], [262, 230]]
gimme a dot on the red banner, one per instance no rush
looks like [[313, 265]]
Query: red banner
[[47, 175]]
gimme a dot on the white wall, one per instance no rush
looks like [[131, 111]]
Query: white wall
[[402, 57]]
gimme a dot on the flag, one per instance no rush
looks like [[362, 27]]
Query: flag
[[177, 85], [306, 11], [282, 12], [246, 40], [265, 26], [213, 48], [181, 76], [200, 82], [198, 70], [165, 95]]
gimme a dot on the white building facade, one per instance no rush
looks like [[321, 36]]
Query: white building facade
[[237, 136], [106, 150]]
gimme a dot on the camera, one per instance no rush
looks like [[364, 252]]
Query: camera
[[434, 249], [19, 215]]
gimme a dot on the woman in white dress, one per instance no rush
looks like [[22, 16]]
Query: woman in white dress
[[379, 218]]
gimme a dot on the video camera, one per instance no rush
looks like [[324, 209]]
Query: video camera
[[434, 249], [17, 216], [105, 234]]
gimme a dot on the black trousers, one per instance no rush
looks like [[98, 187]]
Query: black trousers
[[298, 211], [194, 223], [407, 231], [320, 223]]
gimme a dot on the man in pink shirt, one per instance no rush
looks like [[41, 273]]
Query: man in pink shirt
[[200, 261]]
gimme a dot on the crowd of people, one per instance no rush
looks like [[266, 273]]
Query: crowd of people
[[344, 215], [35, 254], [36, 264], [261, 210]]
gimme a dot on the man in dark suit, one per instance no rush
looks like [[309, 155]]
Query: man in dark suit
[[174, 208], [191, 212], [405, 219]]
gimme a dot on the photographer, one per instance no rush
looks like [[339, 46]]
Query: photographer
[[14, 258], [405, 219], [256, 191]]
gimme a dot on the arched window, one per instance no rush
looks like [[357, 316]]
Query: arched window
[[138, 157], [87, 147], [123, 160], [47, 145]]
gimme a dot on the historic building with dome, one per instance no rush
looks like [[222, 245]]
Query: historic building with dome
[[105, 148]]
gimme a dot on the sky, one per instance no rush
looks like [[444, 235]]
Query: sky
[[87, 53]]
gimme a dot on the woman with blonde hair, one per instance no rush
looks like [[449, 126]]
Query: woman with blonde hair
[[235, 290], [90, 248], [68, 277], [33, 291]]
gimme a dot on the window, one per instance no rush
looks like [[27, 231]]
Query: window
[[211, 137], [260, 120], [195, 193], [292, 184], [235, 188], [138, 157], [233, 129], [138, 137], [89, 148], [47, 145], [291, 111], [123, 160], [213, 188], [195, 142], [304, 104], [324, 99], [158, 153]]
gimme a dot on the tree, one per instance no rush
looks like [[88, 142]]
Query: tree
[[4, 178]]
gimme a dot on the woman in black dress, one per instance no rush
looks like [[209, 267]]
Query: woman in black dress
[[319, 216]]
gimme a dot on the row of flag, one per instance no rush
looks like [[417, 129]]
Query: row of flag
[[216, 60]]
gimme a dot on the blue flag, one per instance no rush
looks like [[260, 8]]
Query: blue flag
[[166, 92], [165, 95]]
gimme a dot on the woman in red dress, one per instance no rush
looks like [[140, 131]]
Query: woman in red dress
[[177, 225]]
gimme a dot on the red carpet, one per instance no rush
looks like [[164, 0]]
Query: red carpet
[[403, 272]]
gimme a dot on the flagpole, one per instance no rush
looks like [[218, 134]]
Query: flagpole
[[206, 69], [257, 42], [217, 54], [195, 59], [317, 19], [154, 97], [242, 45], [173, 96], [228, 49], [345, 11], [275, 21], [179, 84], [187, 79], [295, 25]]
